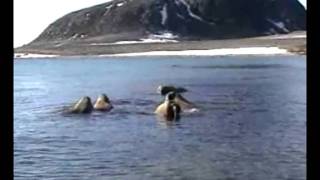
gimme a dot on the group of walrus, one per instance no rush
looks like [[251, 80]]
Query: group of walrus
[[174, 103]]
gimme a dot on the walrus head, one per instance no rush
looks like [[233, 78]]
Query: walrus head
[[170, 96], [104, 98], [84, 105], [103, 103], [173, 109]]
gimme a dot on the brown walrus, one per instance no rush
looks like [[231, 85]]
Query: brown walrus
[[83, 105], [169, 109], [184, 104], [103, 103]]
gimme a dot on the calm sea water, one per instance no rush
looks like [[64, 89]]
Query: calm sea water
[[252, 123]]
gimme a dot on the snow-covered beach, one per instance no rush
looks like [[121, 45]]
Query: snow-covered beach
[[207, 52], [31, 55], [210, 52], [170, 45]]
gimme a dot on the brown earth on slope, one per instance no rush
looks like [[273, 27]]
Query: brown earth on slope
[[294, 42]]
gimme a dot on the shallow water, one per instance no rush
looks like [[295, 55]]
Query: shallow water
[[252, 123]]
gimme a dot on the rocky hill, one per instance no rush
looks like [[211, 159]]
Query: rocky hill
[[121, 20]]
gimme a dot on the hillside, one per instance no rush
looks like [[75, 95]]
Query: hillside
[[178, 20]]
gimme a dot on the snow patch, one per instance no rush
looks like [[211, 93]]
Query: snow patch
[[291, 37], [189, 10], [279, 25], [74, 36], [109, 6], [27, 55], [164, 14], [157, 40], [209, 52], [287, 36], [153, 38], [127, 42], [141, 41], [165, 35], [120, 4]]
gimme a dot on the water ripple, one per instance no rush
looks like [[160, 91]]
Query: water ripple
[[251, 123]]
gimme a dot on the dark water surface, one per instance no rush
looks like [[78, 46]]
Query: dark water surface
[[252, 123]]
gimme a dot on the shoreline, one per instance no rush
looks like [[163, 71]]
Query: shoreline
[[244, 51], [208, 52], [293, 43]]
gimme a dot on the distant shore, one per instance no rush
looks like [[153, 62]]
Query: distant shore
[[291, 43]]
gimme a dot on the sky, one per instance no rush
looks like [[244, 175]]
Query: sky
[[31, 17]]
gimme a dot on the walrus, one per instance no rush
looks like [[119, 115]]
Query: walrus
[[184, 104], [163, 90], [169, 109], [83, 105], [103, 103]]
